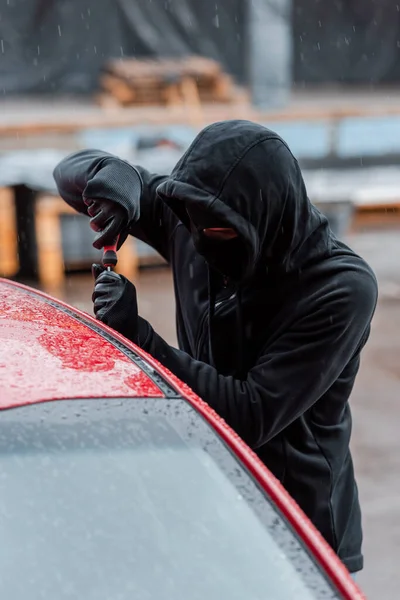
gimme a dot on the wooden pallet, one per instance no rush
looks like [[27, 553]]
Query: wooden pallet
[[132, 82]]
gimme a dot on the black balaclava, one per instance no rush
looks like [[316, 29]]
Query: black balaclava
[[228, 257]]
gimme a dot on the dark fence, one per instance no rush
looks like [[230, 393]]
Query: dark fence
[[61, 45]]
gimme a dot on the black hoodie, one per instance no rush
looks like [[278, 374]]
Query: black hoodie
[[276, 350]]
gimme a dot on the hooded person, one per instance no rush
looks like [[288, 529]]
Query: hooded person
[[272, 310]]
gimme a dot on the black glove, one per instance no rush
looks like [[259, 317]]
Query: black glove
[[109, 219], [115, 302], [112, 196]]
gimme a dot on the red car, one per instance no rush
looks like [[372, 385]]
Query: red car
[[117, 482]]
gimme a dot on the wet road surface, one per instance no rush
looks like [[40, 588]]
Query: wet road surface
[[375, 400]]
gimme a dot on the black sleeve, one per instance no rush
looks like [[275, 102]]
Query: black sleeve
[[290, 376], [97, 174]]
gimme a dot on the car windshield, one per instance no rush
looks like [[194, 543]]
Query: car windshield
[[137, 499]]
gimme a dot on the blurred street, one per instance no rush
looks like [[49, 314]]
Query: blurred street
[[375, 400]]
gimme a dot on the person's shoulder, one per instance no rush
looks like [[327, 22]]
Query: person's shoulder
[[355, 279]]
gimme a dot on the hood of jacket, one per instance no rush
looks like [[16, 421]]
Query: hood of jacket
[[244, 176]]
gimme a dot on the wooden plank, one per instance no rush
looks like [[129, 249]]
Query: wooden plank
[[8, 234], [192, 66], [118, 88], [367, 220], [224, 88], [49, 247], [192, 100], [376, 206]]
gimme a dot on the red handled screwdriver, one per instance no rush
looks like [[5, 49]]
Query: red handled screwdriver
[[110, 257]]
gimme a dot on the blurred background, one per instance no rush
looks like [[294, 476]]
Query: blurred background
[[139, 78]]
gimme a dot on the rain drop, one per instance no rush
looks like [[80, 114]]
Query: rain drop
[[59, 30]]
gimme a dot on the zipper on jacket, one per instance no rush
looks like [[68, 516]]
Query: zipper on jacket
[[203, 329], [200, 334]]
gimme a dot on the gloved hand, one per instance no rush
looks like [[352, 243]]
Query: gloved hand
[[109, 219], [113, 196], [115, 302]]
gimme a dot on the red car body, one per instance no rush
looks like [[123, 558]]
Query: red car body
[[50, 351]]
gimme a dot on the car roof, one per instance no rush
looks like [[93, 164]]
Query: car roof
[[49, 351]]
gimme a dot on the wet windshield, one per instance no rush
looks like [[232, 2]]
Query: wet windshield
[[112, 501]]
